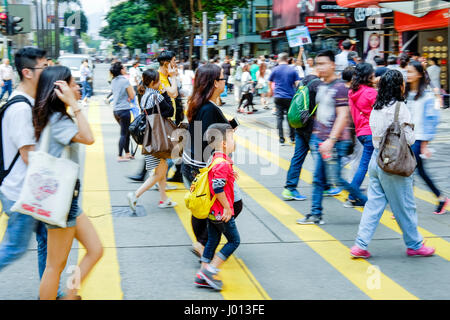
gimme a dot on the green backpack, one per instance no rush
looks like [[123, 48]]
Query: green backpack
[[298, 114]]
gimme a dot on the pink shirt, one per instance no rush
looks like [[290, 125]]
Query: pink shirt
[[361, 103]]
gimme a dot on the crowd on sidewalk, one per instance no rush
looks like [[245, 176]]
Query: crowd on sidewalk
[[351, 107]]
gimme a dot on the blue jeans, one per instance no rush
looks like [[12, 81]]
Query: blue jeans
[[230, 231], [396, 190], [333, 167], [17, 237], [86, 90], [360, 174], [301, 150], [7, 87], [421, 170]]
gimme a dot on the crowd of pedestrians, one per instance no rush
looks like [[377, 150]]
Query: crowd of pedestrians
[[351, 104]]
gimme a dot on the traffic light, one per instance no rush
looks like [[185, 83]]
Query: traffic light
[[14, 25], [4, 23]]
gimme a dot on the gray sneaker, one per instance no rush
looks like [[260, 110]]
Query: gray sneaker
[[311, 219], [211, 279]]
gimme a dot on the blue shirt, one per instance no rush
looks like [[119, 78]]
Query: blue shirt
[[284, 77]]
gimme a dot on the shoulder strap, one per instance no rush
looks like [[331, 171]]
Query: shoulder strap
[[397, 110], [16, 99]]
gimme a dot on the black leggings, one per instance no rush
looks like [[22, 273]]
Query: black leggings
[[200, 226], [123, 117]]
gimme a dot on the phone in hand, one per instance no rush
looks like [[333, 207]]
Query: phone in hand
[[234, 123]]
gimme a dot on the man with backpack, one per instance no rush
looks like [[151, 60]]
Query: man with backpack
[[15, 145], [331, 138], [308, 88]]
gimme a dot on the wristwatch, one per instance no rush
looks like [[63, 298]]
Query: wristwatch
[[334, 139]]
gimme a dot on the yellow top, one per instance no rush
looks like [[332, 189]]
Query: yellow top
[[165, 81]]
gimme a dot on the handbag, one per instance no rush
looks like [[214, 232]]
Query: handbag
[[49, 185], [137, 128], [158, 140], [395, 155]]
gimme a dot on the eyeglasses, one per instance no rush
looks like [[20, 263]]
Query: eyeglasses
[[221, 79], [37, 68]]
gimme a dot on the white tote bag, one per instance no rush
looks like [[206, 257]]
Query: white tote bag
[[49, 185]]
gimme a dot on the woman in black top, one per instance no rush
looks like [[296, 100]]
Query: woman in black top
[[202, 112]]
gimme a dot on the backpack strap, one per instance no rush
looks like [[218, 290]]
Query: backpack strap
[[5, 172]]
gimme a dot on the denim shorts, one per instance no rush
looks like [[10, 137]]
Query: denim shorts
[[74, 212]]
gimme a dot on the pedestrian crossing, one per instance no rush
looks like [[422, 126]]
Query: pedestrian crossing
[[238, 273]]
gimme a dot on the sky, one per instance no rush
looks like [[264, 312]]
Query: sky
[[94, 10]]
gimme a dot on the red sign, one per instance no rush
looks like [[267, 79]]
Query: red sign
[[316, 22]]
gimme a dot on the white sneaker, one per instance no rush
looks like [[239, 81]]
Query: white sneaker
[[132, 200], [167, 204], [169, 187]]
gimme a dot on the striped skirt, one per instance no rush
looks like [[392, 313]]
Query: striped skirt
[[151, 162]]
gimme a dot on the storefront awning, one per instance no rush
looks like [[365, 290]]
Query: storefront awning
[[362, 3], [404, 6], [433, 20]]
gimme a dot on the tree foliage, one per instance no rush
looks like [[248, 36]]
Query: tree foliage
[[138, 22]]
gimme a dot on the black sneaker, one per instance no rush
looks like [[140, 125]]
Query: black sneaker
[[311, 219], [211, 279], [440, 209], [137, 178], [353, 204]]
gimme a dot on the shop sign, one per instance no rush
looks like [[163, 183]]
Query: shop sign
[[361, 14], [316, 22], [425, 6], [332, 7]]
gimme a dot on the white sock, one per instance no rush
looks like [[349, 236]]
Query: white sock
[[212, 269]]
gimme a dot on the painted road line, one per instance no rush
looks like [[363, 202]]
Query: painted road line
[[238, 282], [442, 246], [329, 248], [3, 224], [418, 193], [103, 283]]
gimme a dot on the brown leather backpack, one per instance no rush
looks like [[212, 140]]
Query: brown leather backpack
[[395, 156]]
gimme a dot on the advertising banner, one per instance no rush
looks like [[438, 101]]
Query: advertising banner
[[298, 36]]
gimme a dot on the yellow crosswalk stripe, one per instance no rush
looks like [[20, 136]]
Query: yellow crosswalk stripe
[[442, 246], [330, 249], [104, 281], [238, 282], [3, 224]]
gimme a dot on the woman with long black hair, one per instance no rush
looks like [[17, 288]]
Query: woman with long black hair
[[123, 94], [202, 112], [361, 98], [421, 103], [57, 92], [386, 188]]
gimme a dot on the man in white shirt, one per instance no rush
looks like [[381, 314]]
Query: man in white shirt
[[16, 145], [135, 79], [342, 58], [6, 78]]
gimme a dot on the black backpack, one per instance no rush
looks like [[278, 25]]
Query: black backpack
[[3, 171]]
